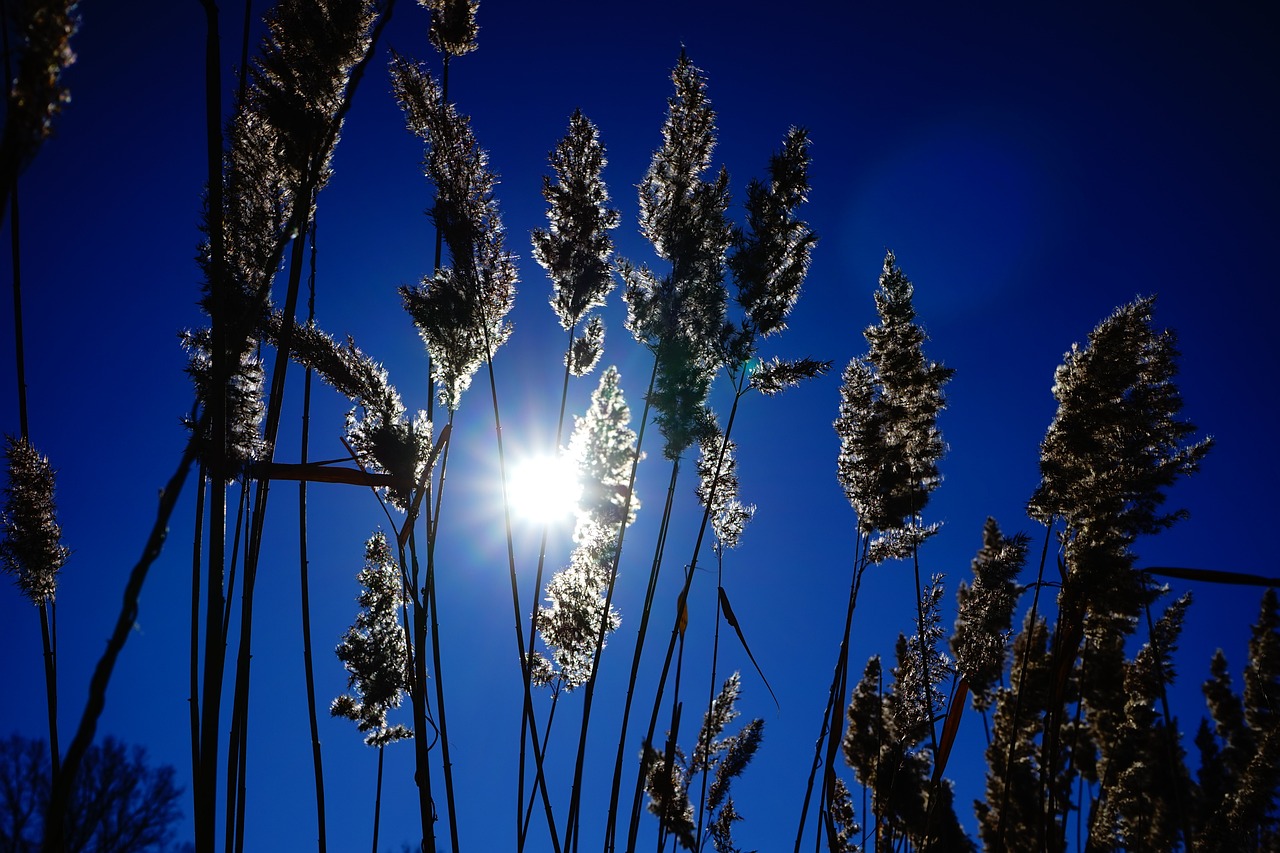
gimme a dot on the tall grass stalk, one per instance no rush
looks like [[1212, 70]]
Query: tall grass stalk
[[205, 740], [571, 831], [197, 557], [32, 98], [305, 584], [829, 733], [60, 797], [711, 697], [526, 714], [238, 753], [1033, 615], [641, 634], [574, 249], [678, 626]]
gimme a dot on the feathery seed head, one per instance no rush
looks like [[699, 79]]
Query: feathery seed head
[[31, 545]]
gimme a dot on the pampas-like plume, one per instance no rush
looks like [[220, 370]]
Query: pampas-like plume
[[242, 401], [603, 444], [280, 142], [453, 25], [604, 447], [380, 431], [570, 623], [575, 248], [889, 404], [374, 650], [680, 316], [719, 494], [36, 95], [31, 548], [1115, 445], [771, 255], [984, 617], [723, 759], [460, 310]]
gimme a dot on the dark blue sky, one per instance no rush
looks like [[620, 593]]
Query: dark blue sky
[[1032, 166]]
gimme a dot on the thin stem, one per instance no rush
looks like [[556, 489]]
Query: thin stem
[[650, 591], [275, 403], [60, 796], [377, 800], [197, 553], [242, 513], [677, 631], [418, 698], [599, 650], [711, 693], [521, 826], [19, 347], [533, 795], [433, 610], [205, 771], [304, 565], [924, 650], [1022, 683], [50, 684], [833, 725]]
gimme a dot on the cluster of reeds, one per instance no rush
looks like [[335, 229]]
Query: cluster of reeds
[[1078, 727]]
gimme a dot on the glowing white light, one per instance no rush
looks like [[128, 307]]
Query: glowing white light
[[544, 489]]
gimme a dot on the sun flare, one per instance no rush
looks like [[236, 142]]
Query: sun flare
[[544, 489]]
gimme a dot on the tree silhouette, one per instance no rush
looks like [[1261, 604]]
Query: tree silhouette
[[119, 804]]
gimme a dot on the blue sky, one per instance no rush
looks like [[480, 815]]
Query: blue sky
[[1032, 166]]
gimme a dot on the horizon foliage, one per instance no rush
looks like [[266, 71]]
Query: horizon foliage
[[1080, 737]]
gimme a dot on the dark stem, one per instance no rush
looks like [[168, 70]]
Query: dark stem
[[60, 795], [634, 815], [1017, 705], [197, 553], [580, 762], [304, 565], [242, 512], [677, 632], [237, 757], [711, 693], [642, 633], [377, 800], [205, 770], [546, 737], [50, 684], [19, 348], [831, 721], [433, 611], [521, 825], [418, 698]]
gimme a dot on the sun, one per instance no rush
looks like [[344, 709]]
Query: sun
[[544, 489]]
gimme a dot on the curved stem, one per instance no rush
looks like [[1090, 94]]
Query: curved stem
[[60, 796]]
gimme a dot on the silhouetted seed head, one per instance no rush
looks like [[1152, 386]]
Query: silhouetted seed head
[[31, 548], [374, 650]]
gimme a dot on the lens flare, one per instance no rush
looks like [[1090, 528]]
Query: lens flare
[[544, 489]]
